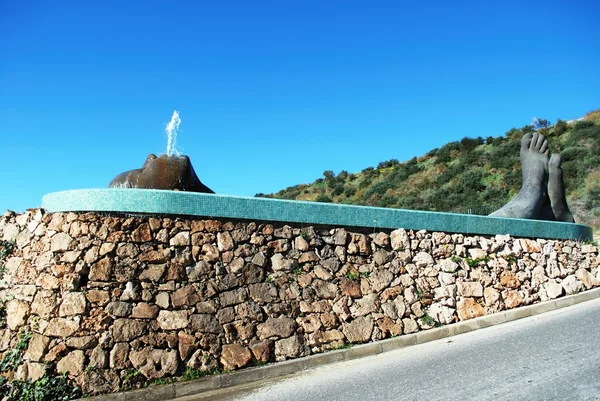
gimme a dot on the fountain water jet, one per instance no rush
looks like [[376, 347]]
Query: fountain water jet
[[171, 131]]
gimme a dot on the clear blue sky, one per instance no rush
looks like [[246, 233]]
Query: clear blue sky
[[271, 94]]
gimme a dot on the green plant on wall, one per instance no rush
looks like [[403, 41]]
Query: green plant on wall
[[2, 313], [6, 249], [49, 387], [353, 276], [427, 320], [195, 373], [12, 358], [475, 262], [132, 378]]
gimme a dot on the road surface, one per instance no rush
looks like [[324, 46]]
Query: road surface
[[553, 356]]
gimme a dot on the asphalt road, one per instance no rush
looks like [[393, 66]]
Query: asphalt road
[[553, 356]]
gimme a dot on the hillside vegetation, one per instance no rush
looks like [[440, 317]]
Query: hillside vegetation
[[473, 175]]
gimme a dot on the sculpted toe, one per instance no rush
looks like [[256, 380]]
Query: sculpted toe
[[555, 160], [526, 141]]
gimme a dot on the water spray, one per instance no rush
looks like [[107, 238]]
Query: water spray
[[171, 131]]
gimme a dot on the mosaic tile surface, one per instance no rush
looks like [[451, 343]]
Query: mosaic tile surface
[[262, 209]]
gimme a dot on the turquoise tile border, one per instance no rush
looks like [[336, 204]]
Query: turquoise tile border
[[263, 209]]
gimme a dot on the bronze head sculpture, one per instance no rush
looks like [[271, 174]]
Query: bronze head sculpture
[[164, 172]]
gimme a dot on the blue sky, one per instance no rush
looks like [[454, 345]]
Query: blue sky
[[271, 94]]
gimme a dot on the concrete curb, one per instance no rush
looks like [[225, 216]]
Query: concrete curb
[[280, 369]]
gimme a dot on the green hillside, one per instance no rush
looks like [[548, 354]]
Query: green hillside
[[473, 175]]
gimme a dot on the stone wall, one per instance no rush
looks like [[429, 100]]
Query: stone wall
[[109, 298]]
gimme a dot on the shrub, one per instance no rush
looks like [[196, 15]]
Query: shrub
[[505, 156], [468, 144], [560, 127], [513, 133], [388, 163], [526, 129], [342, 176], [324, 198], [379, 188], [444, 154], [592, 186], [470, 182], [338, 189], [582, 124]]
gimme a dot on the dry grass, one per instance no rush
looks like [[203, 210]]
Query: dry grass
[[593, 115]]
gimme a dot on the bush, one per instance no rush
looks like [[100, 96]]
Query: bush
[[582, 124], [389, 163], [493, 197], [576, 154], [527, 129], [584, 133], [560, 127], [468, 144], [350, 191], [444, 154], [388, 200], [513, 178], [513, 133], [490, 140], [470, 182], [337, 189], [505, 156], [379, 188], [471, 158], [324, 198]]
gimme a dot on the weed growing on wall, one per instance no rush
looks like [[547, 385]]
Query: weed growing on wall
[[353, 276], [475, 262], [6, 249], [47, 388], [2, 313], [427, 319], [195, 373], [133, 378], [12, 358]]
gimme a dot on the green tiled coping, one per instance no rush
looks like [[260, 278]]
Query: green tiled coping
[[262, 209]]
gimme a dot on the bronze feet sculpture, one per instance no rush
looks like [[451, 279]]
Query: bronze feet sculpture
[[164, 172], [542, 195]]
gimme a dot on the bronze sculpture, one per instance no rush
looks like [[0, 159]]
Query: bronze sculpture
[[542, 194], [164, 172]]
